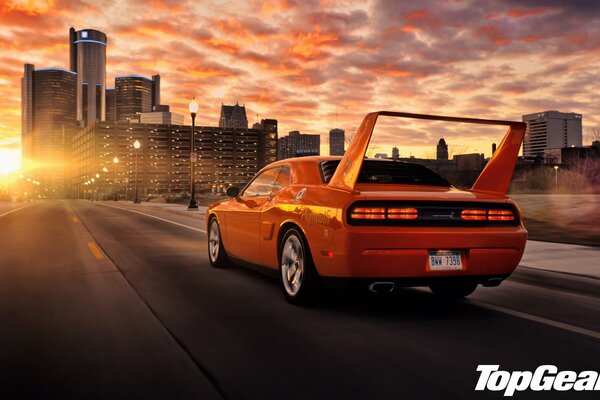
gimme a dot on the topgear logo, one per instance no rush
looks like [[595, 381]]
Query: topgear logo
[[545, 377]]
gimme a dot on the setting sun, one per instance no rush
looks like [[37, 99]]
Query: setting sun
[[10, 160]]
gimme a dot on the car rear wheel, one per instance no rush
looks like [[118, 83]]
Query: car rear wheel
[[455, 290], [299, 280], [216, 251]]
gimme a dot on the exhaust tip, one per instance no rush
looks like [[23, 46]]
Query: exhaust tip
[[492, 282], [382, 287]]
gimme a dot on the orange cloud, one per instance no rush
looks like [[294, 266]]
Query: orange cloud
[[525, 12], [30, 7], [309, 45]]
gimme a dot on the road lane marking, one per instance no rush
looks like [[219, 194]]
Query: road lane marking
[[75, 219], [95, 250], [155, 217], [15, 209], [535, 318]]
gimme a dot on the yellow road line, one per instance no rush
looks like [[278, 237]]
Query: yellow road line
[[95, 250], [75, 219]]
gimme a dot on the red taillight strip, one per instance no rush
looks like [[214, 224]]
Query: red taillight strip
[[402, 213], [500, 215], [489, 215], [368, 213], [367, 216], [473, 215]]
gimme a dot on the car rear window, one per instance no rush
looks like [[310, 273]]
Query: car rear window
[[388, 172]]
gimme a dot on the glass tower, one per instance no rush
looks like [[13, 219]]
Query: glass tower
[[88, 60], [48, 98], [135, 95]]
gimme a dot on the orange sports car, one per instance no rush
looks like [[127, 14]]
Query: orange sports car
[[382, 223]]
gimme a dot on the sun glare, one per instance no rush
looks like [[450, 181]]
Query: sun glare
[[10, 160]]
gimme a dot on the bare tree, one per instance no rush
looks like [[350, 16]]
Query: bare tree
[[595, 133], [349, 135]]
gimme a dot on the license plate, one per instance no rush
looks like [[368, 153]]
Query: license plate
[[445, 261]]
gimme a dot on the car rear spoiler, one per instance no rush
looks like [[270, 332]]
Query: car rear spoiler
[[494, 178]]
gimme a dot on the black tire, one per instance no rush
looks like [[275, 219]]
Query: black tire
[[294, 258], [216, 250], [456, 290]]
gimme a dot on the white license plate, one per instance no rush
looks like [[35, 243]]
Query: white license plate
[[445, 261]]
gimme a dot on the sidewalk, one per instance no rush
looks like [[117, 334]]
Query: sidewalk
[[565, 258], [547, 256]]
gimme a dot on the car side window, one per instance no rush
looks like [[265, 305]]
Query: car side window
[[283, 179], [262, 185]]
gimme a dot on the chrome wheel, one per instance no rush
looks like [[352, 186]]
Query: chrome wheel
[[292, 265], [214, 240]]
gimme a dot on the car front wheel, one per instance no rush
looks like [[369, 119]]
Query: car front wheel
[[299, 278]]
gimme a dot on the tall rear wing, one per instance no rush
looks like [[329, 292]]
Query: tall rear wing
[[494, 178]]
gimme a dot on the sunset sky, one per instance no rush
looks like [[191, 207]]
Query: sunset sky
[[300, 61]]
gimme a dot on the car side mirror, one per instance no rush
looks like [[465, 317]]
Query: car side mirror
[[233, 191]]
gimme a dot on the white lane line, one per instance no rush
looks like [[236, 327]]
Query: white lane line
[[15, 209], [155, 217], [535, 318]]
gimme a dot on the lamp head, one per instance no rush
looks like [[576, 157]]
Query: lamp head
[[137, 144], [193, 106], [116, 160]]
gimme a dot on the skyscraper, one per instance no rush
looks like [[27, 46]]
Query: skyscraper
[[336, 142], [49, 122], [551, 130], [155, 91], [395, 152], [135, 95], [111, 105], [297, 144], [27, 113], [442, 150], [88, 59], [233, 117]]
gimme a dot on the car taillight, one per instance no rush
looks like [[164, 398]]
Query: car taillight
[[381, 213], [500, 215], [402, 213], [473, 215], [487, 215], [430, 213], [368, 213]]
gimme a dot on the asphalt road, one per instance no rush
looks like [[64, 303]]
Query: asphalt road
[[101, 302]]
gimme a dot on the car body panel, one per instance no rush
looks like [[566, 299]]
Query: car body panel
[[253, 227]]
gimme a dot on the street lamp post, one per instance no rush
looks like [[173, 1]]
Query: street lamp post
[[136, 146], [96, 186], [193, 110], [116, 161], [556, 176], [93, 189], [104, 170]]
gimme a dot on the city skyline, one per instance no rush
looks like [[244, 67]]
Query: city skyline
[[320, 68]]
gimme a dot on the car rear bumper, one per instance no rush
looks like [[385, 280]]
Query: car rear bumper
[[380, 252]]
